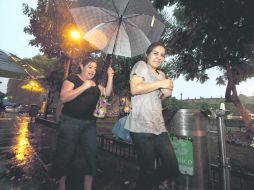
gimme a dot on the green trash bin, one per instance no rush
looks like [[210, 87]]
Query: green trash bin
[[188, 135]]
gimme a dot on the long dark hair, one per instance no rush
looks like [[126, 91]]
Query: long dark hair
[[88, 60], [154, 45], [150, 49]]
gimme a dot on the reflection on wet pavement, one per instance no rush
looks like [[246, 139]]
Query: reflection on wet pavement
[[20, 168], [22, 149]]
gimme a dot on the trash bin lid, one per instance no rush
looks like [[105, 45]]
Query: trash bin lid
[[189, 123]]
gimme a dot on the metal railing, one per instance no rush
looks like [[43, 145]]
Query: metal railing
[[116, 146], [241, 180]]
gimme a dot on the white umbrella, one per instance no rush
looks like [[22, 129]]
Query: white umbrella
[[11, 66], [124, 28]]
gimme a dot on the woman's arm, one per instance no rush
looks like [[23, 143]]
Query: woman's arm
[[68, 92], [166, 92], [138, 86], [107, 91]]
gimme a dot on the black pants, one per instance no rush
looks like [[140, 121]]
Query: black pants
[[148, 148], [74, 132]]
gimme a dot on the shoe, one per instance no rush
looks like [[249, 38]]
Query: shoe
[[163, 187]]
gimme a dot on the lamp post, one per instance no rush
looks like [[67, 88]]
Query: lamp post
[[73, 39], [32, 85], [224, 160]]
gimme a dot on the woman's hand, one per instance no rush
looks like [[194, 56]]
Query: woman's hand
[[109, 86], [166, 92], [167, 84], [110, 72], [89, 83], [68, 92]]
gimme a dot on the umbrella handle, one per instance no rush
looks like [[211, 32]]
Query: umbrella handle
[[109, 59]]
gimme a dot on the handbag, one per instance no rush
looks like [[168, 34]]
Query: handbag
[[101, 106], [120, 132]]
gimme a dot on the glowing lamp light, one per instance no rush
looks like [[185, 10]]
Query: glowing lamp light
[[33, 86], [75, 35], [32, 83]]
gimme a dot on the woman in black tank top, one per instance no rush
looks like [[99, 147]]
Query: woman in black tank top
[[79, 94]]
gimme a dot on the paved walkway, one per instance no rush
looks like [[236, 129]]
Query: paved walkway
[[26, 158]]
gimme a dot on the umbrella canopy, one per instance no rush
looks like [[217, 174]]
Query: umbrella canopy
[[124, 28], [11, 66]]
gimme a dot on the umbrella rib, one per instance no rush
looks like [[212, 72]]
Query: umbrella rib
[[119, 23], [130, 23], [117, 34], [115, 8], [109, 13], [131, 16]]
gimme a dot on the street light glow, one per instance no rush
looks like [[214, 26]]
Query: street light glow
[[32, 83], [73, 44], [33, 86], [75, 35]]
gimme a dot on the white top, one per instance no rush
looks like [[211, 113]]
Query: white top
[[146, 114]]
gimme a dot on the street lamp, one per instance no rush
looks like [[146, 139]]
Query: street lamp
[[33, 86], [75, 35], [74, 41], [75, 38]]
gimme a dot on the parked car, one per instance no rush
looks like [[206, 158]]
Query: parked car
[[24, 110], [13, 109]]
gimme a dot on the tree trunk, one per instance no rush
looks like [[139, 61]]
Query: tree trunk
[[67, 65], [232, 96], [67, 70]]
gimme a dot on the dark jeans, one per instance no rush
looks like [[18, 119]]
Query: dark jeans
[[73, 133], [148, 148]]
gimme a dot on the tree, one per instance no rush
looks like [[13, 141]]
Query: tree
[[173, 103], [216, 34], [51, 24], [53, 73]]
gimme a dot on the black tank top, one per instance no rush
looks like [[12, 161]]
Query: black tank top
[[82, 106]]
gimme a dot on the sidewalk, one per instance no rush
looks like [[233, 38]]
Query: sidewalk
[[25, 158], [20, 168], [113, 173]]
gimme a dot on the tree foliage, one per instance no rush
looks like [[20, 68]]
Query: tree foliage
[[217, 34], [47, 23], [53, 73], [206, 34]]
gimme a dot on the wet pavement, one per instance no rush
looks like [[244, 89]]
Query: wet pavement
[[20, 168], [26, 159]]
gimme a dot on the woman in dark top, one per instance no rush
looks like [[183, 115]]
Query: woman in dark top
[[79, 94]]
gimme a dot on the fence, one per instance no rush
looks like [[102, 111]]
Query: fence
[[241, 180]]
